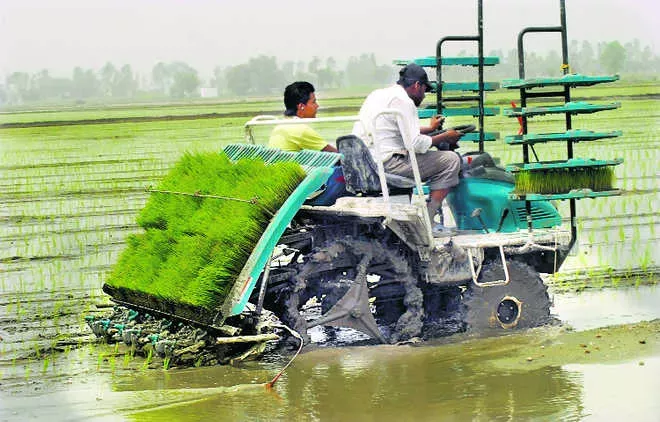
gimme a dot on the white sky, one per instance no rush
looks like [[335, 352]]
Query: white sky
[[60, 34]]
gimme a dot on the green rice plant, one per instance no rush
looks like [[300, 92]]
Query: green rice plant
[[149, 358], [194, 247], [564, 180]]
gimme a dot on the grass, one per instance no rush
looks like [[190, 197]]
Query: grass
[[193, 248]]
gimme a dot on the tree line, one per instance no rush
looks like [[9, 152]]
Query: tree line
[[263, 75]]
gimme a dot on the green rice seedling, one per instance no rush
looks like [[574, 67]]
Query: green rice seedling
[[129, 356], [194, 247], [45, 364], [37, 351], [564, 180], [646, 260], [592, 237], [622, 234], [149, 358], [166, 363]]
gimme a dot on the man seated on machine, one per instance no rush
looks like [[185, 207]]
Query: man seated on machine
[[438, 167], [300, 102]]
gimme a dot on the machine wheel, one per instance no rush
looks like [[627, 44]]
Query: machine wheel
[[522, 303], [336, 285]]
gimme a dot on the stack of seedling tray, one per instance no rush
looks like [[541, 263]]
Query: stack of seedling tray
[[209, 229], [574, 178]]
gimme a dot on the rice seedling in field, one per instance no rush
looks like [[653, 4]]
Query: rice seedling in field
[[194, 247]]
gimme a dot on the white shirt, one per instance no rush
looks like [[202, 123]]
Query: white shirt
[[389, 127]]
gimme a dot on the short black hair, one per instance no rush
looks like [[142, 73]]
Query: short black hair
[[406, 82], [294, 94]]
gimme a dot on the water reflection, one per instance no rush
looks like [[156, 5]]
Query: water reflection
[[387, 383], [598, 308]]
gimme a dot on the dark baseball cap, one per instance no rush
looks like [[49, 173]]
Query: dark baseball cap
[[415, 72]]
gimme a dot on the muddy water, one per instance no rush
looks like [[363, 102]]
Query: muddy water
[[550, 373]]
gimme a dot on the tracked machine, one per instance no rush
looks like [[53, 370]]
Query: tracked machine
[[369, 266]]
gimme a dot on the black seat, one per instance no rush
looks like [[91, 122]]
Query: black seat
[[361, 171]]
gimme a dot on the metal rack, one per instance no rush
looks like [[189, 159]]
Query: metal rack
[[570, 136], [471, 93]]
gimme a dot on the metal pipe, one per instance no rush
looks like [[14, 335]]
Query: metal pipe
[[480, 42], [264, 282]]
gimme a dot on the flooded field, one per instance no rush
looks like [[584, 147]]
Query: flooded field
[[70, 196]]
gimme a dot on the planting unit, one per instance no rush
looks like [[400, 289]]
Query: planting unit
[[573, 178]]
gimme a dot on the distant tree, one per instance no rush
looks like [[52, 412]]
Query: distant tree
[[125, 84], [18, 87], [160, 75], [301, 73], [41, 85], [360, 70], [612, 57], [328, 76], [552, 64], [313, 69], [84, 83], [237, 80], [288, 70], [264, 75], [219, 80], [184, 80], [108, 79]]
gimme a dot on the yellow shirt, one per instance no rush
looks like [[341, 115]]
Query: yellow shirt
[[295, 138]]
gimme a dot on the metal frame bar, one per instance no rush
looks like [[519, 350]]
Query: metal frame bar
[[479, 38], [269, 120], [566, 93], [418, 199], [475, 275]]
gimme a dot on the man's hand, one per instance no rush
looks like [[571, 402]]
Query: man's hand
[[447, 140], [436, 122], [449, 136]]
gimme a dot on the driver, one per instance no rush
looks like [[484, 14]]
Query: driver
[[440, 169]]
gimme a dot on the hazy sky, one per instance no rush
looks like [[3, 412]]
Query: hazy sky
[[61, 34]]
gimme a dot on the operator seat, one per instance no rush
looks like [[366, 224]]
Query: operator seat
[[361, 171]]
